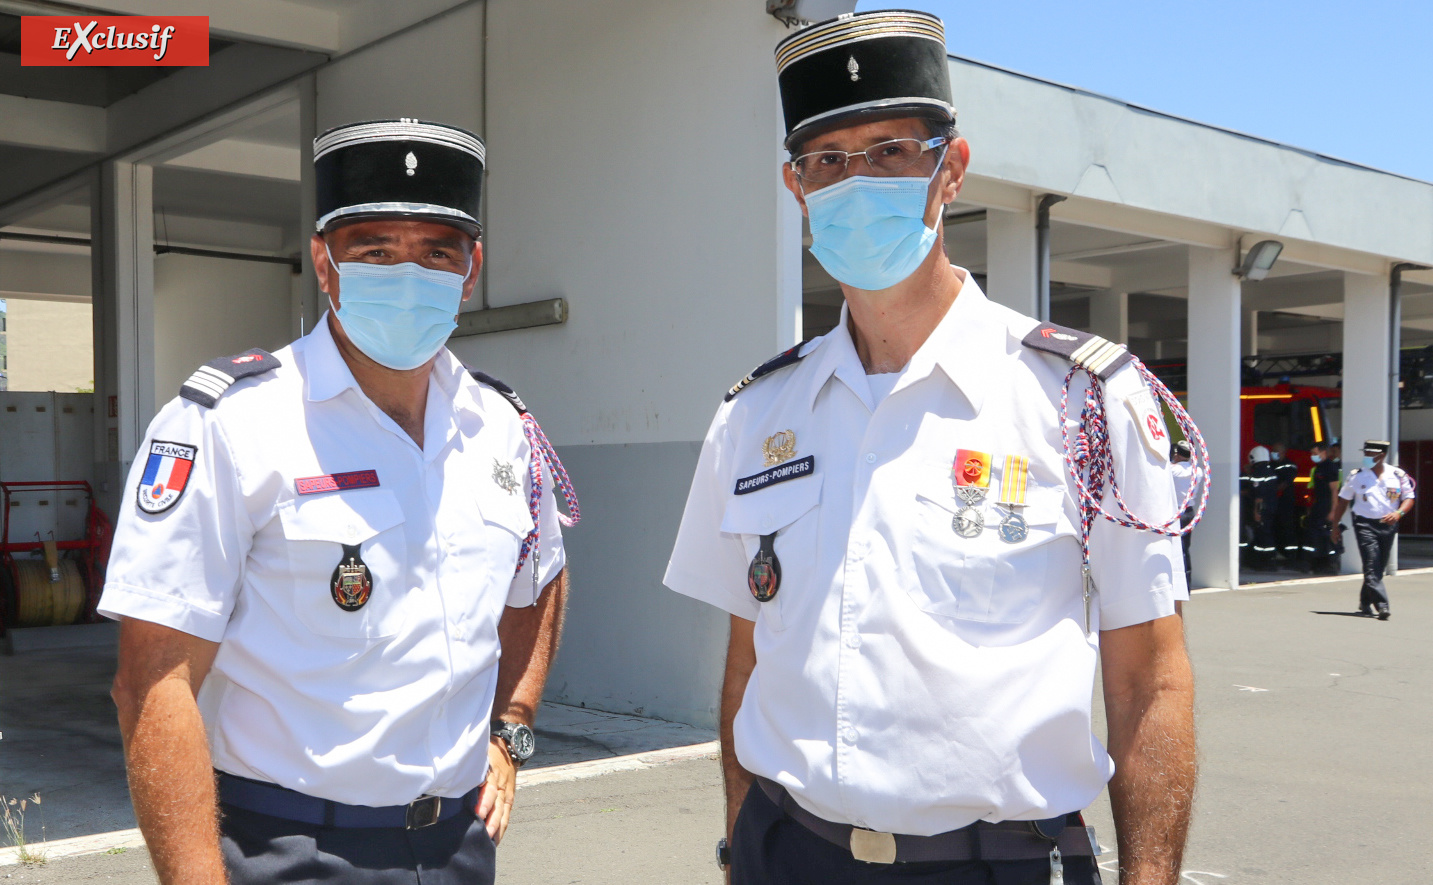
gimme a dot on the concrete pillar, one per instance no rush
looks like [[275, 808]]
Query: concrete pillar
[[122, 258], [1010, 259], [1214, 329], [308, 303], [1109, 315], [1365, 377], [1251, 333]]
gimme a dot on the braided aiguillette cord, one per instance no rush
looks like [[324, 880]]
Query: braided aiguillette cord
[[543, 452], [1091, 461]]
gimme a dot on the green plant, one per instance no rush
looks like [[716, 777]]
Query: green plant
[[13, 813]]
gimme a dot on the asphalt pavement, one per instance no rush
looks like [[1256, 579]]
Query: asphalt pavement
[[1315, 756]]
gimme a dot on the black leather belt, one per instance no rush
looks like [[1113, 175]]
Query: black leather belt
[[1007, 840], [277, 801]]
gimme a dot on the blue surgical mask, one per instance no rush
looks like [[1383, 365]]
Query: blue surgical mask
[[1317, 459], [399, 315], [1368, 462], [870, 232]]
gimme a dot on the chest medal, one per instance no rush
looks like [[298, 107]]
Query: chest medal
[[763, 576], [972, 481], [1014, 480], [351, 584]]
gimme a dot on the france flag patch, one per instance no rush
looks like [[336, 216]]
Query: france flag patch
[[165, 475]]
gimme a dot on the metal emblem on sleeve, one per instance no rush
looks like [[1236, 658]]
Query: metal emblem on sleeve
[[504, 476], [351, 584], [779, 447], [763, 576]]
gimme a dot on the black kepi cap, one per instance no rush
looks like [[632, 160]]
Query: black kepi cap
[[889, 63], [399, 169], [1377, 445]]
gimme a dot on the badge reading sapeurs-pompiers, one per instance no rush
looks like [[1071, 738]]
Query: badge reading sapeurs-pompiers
[[351, 584], [763, 576]]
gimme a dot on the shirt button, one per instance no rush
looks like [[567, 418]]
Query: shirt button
[[870, 457], [352, 532], [848, 734], [853, 640], [766, 522]]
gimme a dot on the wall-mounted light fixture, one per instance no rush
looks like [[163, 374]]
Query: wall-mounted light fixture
[[1259, 260], [797, 12]]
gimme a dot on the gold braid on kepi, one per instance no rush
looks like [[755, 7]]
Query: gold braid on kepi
[[887, 63]]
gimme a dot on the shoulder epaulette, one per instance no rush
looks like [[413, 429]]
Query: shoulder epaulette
[[781, 360], [508, 393], [1089, 351], [211, 380], [1355, 472]]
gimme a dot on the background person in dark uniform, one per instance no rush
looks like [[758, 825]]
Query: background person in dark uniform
[[1263, 501], [1318, 535], [1380, 496], [1288, 512]]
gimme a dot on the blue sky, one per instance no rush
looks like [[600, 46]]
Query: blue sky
[[1354, 81]]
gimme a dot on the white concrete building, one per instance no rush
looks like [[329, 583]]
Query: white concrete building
[[633, 174]]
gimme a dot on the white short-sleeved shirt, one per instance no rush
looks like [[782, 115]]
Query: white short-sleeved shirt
[[908, 679], [370, 707], [1183, 476], [1373, 496]]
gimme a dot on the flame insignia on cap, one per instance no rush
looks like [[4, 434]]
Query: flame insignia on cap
[[411, 163], [854, 69]]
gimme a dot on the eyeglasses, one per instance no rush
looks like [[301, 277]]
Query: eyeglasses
[[885, 158]]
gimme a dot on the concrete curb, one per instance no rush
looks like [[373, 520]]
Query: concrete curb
[[131, 838], [1327, 579]]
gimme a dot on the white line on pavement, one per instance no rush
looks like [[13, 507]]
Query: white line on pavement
[[131, 838]]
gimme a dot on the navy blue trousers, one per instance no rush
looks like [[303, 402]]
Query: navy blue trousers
[[261, 850], [1375, 545], [769, 848]]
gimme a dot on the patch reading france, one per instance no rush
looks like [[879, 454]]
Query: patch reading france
[[166, 474], [780, 473], [336, 482]]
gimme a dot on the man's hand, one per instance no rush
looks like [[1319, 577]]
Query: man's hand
[[1391, 518], [496, 797], [1149, 704]]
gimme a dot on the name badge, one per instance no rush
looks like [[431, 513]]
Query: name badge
[[771, 476]]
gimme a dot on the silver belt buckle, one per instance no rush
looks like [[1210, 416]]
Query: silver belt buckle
[[872, 846], [423, 812]]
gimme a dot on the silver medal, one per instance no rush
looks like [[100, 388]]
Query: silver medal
[[1013, 528], [969, 523]]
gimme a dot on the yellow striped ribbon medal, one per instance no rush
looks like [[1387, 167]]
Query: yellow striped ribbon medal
[[1014, 481]]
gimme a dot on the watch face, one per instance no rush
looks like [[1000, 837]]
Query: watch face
[[522, 742]]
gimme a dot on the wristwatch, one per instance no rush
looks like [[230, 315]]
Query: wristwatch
[[723, 855], [519, 739]]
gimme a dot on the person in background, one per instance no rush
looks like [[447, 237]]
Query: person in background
[[1182, 468], [1381, 495], [1318, 537], [1288, 512], [1263, 502]]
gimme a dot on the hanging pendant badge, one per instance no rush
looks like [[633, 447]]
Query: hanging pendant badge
[[1014, 481], [763, 576], [972, 480], [351, 584]]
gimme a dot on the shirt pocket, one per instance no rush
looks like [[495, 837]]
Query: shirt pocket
[[317, 529], [788, 511], [984, 579]]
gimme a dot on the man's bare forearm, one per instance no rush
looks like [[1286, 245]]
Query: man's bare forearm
[[529, 638], [740, 661], [1151, 740], [171, 777]]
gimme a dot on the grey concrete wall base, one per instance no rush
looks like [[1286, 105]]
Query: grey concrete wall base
[[23, 639], [631, 645]]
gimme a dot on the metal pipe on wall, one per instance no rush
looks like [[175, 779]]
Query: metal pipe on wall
[[1042, 251]]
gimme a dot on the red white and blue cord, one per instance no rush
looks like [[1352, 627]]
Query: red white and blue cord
[[1090, 460], [543, 454]]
